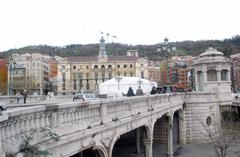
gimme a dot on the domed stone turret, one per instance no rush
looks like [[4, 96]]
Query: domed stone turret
[[212, 72]]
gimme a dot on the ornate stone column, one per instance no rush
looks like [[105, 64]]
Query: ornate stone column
[[148, 141], [218, 75], [204, 75], [170, 135], [196, 82], [228, 75], [148, 147], [138, 146]]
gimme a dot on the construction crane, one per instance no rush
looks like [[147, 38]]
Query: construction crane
[[108, 35]]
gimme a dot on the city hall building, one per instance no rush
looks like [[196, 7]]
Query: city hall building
[[84, 73]]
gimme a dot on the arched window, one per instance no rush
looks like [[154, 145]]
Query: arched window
[[224, 75], [95, 67], [212, 75], [102, 66], [109, 66]]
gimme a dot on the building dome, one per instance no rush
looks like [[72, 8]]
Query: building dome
[[211, 55], [211, 52]]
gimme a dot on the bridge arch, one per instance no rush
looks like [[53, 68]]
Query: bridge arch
[[101, 150], [134, 139], [94, 151]]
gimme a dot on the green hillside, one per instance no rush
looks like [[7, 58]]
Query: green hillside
[[227, 46]]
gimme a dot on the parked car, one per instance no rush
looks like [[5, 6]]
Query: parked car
[[2, 106], [84, 96]]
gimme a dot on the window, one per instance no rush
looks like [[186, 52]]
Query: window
[[87, 67], [224, 75], [131, 65], [74, 67], [118, 74], [118, 66], [212, 75], [125, 66], [74, 83], [131, 74], [125, 74], [109, 66]]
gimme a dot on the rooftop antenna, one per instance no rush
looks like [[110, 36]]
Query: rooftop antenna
[[108, 35]]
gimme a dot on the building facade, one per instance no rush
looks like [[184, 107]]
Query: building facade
[[3, 77], [28, 71], [235, 72], [85, 73]]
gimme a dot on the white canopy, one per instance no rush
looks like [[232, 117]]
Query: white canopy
[[124, 84]]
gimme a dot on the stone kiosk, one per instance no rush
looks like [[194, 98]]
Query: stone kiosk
[[213, 89], [212, 72]]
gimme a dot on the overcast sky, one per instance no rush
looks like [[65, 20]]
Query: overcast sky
[[63, 22]]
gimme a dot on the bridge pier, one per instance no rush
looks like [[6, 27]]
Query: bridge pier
[[148, 147], [170, 136], [138, 142]]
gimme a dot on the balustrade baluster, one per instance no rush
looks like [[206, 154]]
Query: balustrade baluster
[[68, 118], [3, 134], [7, 131], [77, 116], [41, 121], [32, 123], [72, 117], [36, 121], [61, 119], [17, 129], [26, 124], [47, 120]]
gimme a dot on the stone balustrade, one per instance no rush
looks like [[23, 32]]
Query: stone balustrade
[[67, 118]]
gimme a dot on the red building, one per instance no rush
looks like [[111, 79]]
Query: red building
[[3, 77]]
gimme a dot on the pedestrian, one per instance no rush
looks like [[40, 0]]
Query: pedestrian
[[24, 96], [18, 97], [139, 91], [153, 91], [130, 92]]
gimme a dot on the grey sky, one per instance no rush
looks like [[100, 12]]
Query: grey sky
[[62, 22]]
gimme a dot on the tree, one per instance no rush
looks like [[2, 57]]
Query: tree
[[219, 137], [27, 149]]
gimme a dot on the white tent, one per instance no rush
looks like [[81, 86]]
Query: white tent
[[124, 83]]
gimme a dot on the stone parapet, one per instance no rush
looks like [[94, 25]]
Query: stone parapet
[[86, 118]]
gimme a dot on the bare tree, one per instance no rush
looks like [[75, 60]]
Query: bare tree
[[221, 134]]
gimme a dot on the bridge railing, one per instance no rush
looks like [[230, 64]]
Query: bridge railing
[[70, 117]]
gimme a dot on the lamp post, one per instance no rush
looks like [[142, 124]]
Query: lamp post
[[118, 79], [11, 66], [139, 82], [166, 50]]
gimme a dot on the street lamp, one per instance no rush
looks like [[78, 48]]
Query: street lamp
[[166, 50], [11, 66], [139, 82], [118, 79]]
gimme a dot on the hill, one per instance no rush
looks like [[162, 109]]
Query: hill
[[227, 46]]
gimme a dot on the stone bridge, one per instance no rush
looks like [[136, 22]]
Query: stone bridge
[[98, 125]]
